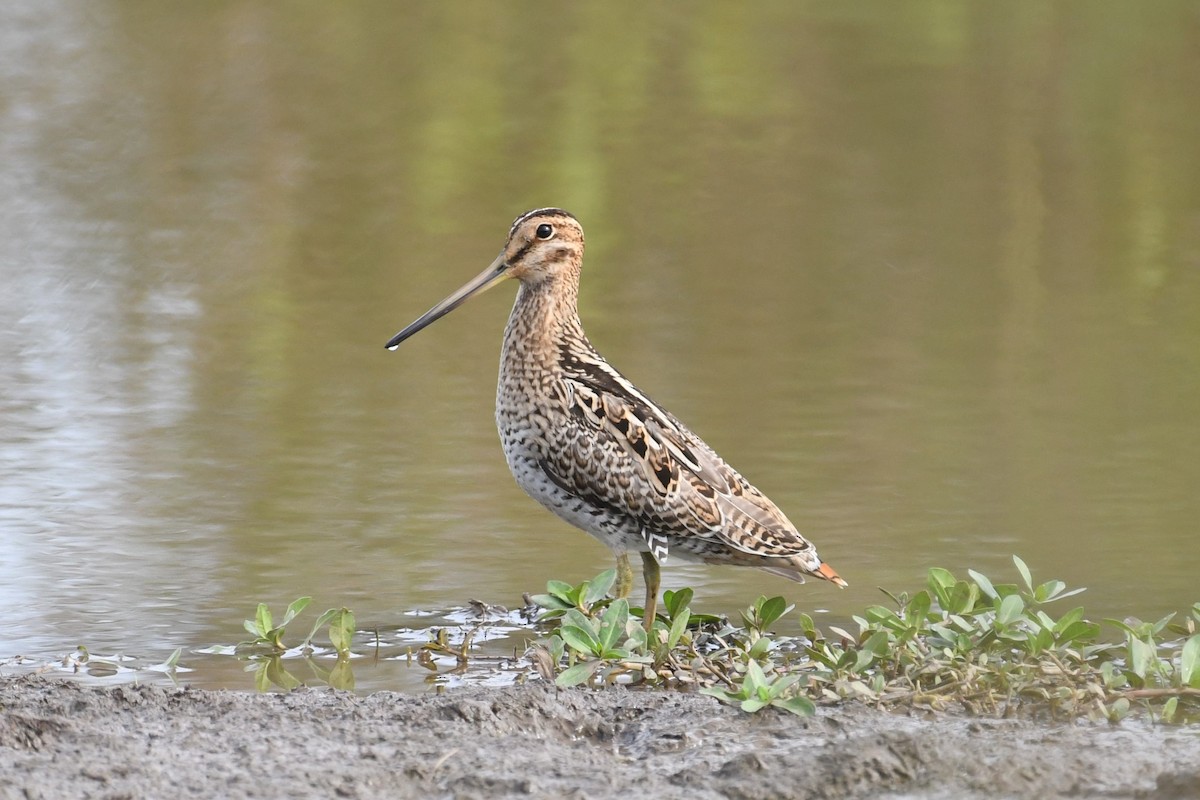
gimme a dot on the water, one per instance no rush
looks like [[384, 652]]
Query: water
[[927, 274]]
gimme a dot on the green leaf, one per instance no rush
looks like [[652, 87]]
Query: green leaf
[[341, 631], [1189, 662], [760, 648], [940, 579], [801, 706], [878, 644], [173, 660], [984, 584], [721, 694], [1080, 631], [771, 610], [754, 704], [263, 619], [1119, 709], [297, 605], [963, 598], [275, 637], [1010, 611], [1042, 641], [598, 586], [755, 679], [580, 673], [781, 685], [1162, 623], [252, 628], [842, 632], [918, 607], [845, 660], [320, 623], [1141, 657], [1024, 570], [554, 645], [613, 623], [1044, 620], [676, 602], [1068, 619], [1071, 593], [1116, 623], [862, 660], [580, 620], [580, 639], [679, 621], [822, 657], [551, 602], [1048, 591], [1168, 710], [636, 634], [561, 590], [878, 615]]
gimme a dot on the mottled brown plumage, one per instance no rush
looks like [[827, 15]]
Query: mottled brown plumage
[[587, 444]]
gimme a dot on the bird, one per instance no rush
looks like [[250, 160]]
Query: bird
[[591, 447]]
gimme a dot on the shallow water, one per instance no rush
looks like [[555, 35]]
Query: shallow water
[[928, 275]]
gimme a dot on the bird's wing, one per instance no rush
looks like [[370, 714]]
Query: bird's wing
[[625, 452]]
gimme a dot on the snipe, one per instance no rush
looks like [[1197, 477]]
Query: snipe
[[590, 446]]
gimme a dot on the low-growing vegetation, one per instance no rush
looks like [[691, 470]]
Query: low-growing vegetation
[[265, 653], [970, 644], [984, 647]]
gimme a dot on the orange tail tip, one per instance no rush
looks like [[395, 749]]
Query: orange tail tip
[[826, 572]]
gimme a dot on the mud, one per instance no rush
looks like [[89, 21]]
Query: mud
[[64, 740]]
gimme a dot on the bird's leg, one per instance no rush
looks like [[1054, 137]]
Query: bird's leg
[[651, 574], [624, 576]]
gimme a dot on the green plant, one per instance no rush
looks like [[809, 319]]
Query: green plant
[[588, 596], [988, 648], [269, 636], [606, 639], [267, 651], [600, 640], [757, 692]]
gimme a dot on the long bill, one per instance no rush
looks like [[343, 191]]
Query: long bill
[[496, 272]]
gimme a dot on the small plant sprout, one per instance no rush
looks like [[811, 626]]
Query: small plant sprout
[[270, 637], [590, 595], [756, 692], [267, 650], [266, 634]]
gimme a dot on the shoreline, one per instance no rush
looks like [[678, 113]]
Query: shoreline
[[61, 739]]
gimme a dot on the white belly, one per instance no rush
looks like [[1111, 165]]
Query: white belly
[[618, 532]]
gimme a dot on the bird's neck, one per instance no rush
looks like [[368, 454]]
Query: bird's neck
[[544, 315]]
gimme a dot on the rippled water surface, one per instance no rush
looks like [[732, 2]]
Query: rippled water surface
[[928, 274]]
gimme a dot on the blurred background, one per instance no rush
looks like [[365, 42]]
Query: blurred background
[[926, 273]]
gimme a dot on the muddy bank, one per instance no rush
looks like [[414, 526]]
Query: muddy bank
[[63, 740]]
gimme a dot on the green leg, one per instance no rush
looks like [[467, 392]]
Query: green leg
[[651, 573], [624, 576]]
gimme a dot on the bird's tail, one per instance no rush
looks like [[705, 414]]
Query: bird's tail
[[825, 572]]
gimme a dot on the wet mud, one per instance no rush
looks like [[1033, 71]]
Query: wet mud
[[61, 739]]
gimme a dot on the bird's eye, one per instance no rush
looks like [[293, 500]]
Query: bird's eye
[[545, 231]]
